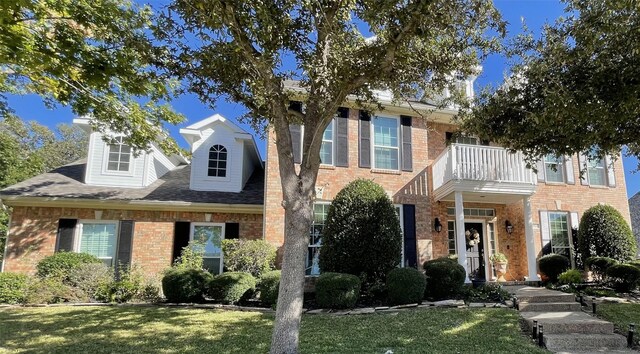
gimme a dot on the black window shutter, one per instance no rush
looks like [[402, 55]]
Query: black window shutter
[[410, 253], [365, 140], [66, 235], [181, 232], [407, 154], [448, 138], [125, 243], [296, 142], [231, 230], [342, 137]]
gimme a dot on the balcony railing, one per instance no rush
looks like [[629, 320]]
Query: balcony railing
[[480, 163]]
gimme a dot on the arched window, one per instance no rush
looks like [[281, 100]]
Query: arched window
[[217, 161]]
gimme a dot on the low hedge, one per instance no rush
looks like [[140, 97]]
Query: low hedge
[[623, 277], [445, 278], [552, 265], [231, 287], [13, 288], [61, 264], [405, 286], [571, 276], [268, 287], [599, 266], [337, 290], [185, 285]]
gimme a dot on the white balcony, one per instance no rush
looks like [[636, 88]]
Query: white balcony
[[483, 174]]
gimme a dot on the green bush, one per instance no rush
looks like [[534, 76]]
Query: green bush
[[405, 286], [571, 276], [185, 285], [604, 232], [635, 263], [623, 277], [361, 235], [268, 287], [131, 285], [60, 264], [231, 287], [249, 256], [90, 280], [445, 278], [552, 265], [13, 288], [50, 290], [337, 290], [191, 256], [599, 266], [487, 293]]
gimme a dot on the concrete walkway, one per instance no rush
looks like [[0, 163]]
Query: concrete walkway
[[566, 329]]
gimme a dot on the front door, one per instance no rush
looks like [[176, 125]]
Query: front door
[[474, 235]]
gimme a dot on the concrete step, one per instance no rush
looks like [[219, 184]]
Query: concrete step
[[549, 306], [536, 295], [577, 342], [567, 322]]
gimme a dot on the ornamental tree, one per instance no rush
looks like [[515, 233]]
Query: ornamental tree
[[246, 51], [604, 232], [573, 88]]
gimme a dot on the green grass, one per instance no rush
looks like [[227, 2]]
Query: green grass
[[621, 315], [140, 330]]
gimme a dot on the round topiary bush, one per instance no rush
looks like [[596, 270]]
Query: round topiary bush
[[337, 290], [185, 285], [361, 235], [405, 286], [552, 265], [445, 278], [599, 266], [61, 264], [603, 232], [231, 287], [268, 287], [571, 276], [13, 288], [623, 277]]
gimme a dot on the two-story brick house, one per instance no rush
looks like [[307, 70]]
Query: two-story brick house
[[144, 208]]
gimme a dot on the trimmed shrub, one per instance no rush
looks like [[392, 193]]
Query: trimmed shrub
[[61, 264], [191, 256], [604, 232], [249, 256], [599, 266], [405, 286], [337, 290], [623, 277], [13, 288], [90, 280], [231, 287], [571, 276], [487, 293], [361, 234], [268, 287], [185, 285], [552, 265], [445, 278]]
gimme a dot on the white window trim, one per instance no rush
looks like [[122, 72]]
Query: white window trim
[[78, 235], [605, 174], [373, 144], [318, 202], [105, 161], [226, 169], [333, 143], [206, 166], [192, 231], [561, 168], [569, 233]]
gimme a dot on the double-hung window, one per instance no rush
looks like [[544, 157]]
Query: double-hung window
[[559, 232], [596, 171], [386, 149], [320, 210], [553, 168], [119, 159], [326, 150], [209, 236], [99, 238]]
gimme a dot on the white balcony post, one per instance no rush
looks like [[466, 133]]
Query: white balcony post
[[461, 239], [531, 245]]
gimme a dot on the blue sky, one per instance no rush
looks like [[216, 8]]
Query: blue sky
[[535, 13]]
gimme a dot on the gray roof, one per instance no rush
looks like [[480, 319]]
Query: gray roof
[[67, 182]]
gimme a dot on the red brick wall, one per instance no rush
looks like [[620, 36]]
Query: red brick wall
[[33, 231]]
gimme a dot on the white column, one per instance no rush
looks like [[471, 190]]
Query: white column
[[531, 245], [461, 239]]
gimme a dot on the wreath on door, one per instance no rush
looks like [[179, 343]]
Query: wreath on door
[[473, 238]]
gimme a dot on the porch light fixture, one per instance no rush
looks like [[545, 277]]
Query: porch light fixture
[[509, 227], [437, 225]]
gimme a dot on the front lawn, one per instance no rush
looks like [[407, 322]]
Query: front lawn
[[621, 315], [126, 329]]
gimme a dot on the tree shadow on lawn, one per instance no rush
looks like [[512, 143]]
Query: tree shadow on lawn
[[170, 330]]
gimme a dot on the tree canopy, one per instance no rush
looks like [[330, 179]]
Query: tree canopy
[[575, 87], [93, 56]]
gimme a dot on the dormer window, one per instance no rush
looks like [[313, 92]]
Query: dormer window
[[119, 156], [217, 161]]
